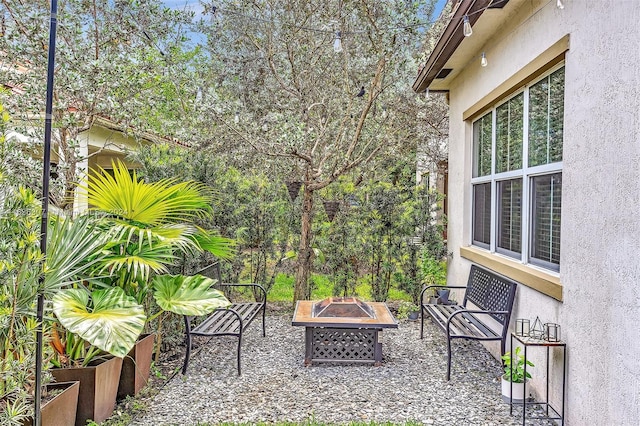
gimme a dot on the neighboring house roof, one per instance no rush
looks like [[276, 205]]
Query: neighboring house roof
[[150, 137], [453, 50]]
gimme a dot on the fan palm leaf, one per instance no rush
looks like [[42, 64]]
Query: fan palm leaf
[[138, 261], [74, 247], [221, 247], [125, 196]]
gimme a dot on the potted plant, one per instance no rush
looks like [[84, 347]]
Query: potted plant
[[100, 328], [21, 265], [408, 310], [514, 375], [148, 224]]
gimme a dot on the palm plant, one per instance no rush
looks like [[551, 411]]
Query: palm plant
[[94, 321], [75, 246], [148, 225]]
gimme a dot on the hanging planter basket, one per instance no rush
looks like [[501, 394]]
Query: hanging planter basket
[[294, 188], [331, 208]]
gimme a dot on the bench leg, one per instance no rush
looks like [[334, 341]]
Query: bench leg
[[188, 343], [448, 358], [264, 314], [239, 348]]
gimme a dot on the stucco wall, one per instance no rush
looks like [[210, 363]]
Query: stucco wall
[[600, 244]]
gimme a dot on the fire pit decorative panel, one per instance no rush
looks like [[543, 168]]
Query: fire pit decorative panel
[[346, 344]]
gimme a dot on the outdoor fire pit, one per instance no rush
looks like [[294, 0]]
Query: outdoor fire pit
[[343, 329]]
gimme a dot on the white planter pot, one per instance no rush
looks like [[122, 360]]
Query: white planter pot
[[518, 390]]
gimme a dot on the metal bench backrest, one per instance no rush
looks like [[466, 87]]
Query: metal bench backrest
[[491, 292], [212, 271]]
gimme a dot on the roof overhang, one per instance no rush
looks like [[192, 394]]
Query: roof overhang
[[453, 50], [108, 123]]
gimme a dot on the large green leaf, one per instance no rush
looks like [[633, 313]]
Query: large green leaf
[[187, 295], [107, 319]]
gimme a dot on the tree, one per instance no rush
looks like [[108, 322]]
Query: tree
[[121, 60], [251, 208], [324, 113]]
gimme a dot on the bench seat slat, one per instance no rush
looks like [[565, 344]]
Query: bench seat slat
[[465, 324], [222, 321]]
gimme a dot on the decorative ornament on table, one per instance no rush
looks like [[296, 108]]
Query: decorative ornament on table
[[537, 330]]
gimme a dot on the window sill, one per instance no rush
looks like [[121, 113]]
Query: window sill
[[545, 283]]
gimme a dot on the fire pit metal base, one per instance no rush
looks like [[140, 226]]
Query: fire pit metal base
[[346, 345], [342, 338]]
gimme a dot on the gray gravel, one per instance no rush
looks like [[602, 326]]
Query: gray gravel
[[275, 386]]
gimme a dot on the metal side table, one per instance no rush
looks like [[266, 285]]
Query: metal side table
[[550, 412]]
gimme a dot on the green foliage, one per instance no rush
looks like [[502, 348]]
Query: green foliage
[[405, 308], [147, 224], [107, 319], [252, 208], [192, 296], [17, 167], [434, 270], [381, 210], [515, 374], [122, 73], [341, 241]]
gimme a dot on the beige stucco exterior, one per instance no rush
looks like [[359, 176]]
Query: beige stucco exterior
[[596, 295]]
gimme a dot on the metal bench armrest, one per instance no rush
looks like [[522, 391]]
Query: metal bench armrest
[[262, 290]]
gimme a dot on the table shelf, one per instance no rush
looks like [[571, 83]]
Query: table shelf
[[550, 412]]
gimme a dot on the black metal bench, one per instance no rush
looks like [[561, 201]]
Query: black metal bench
[[493, 297], [230, 321]]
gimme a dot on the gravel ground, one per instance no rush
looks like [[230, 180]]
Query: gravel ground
[[275, 385]]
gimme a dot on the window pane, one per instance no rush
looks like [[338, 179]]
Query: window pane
[[509, 131], [482, 214], [510, 215], [482, 146], [545, 234], [546, 115]]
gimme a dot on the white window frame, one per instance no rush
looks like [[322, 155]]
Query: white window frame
[[526, 173]]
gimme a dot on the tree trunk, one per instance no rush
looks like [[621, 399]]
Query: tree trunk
[[305, 254]]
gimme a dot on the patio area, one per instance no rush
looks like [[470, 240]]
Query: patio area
[[275, 385]]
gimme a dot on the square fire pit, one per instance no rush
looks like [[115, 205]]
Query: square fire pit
[[343, 329]]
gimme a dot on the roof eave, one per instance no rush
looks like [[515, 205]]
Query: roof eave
[[451, 37]]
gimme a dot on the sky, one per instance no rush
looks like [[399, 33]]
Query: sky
[[439, 6], [195, 6], [186, 4]]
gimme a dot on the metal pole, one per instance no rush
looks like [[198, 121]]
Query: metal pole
[[45, 203]]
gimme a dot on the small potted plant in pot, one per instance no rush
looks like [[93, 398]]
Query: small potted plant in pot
[[408, 310], [514, 376]]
